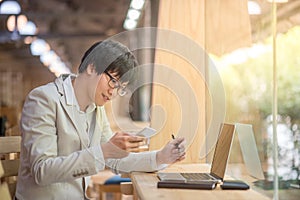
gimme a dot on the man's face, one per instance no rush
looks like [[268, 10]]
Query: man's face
[[104, 92]]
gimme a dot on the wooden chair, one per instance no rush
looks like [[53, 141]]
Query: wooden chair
[[106, 182], [4, 191], [10, 147], [127, 188]]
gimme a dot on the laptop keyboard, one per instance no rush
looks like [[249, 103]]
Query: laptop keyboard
[[197, 176]]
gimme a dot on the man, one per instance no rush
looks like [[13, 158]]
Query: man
[[66, 136]]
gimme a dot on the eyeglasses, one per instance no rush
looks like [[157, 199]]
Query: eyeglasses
[[115, 84]]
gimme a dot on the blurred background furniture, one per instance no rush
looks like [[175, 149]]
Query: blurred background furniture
[[4, 191], [107, 184], [10, 147]]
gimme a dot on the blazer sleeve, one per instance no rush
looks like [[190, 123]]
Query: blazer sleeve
[[39, 153], [141, 162]]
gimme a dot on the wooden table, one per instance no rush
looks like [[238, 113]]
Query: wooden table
[[145, 187]]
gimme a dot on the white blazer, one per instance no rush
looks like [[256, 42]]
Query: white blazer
[[55, 152]]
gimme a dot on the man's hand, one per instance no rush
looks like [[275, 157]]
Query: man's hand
[[121, 144], [173, 151], [127, 142]]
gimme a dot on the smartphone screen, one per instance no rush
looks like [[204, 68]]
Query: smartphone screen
[[146, 132]]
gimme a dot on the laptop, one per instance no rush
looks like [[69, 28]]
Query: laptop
[[206, 180], [249, 150]]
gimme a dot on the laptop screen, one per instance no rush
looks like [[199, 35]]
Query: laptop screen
[[222, 150], [248, 146]]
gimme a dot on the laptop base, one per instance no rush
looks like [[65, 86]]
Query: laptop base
[[204, 185]]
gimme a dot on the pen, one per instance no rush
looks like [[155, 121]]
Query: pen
[[177, 145]]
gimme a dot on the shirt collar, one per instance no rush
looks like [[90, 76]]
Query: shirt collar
[[70, 95]]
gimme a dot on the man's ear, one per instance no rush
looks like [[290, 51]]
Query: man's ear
[[91, 69]]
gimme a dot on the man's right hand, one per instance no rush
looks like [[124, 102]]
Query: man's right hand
[[121, 144]]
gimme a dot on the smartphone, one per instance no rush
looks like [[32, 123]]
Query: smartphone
[[234, 185], [147, 132]]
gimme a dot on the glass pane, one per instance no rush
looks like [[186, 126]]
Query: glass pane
[[247, 74]]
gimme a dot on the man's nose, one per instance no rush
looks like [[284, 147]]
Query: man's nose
[[110, 90]]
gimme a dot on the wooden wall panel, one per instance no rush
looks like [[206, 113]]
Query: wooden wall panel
[[219, 26], [227, 26], [173, 111]]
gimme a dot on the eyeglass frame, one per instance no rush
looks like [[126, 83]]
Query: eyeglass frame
[[121, 89]]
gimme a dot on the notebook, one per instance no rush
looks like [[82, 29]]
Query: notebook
[[204, 180], [249, 150]]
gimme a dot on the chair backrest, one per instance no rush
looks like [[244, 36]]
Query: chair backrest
[[10, 147], [4, 190]]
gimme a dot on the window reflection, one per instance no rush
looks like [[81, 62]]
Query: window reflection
[[248, 85]]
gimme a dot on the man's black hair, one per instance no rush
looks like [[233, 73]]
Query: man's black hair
[[89, 51], [121, 62]]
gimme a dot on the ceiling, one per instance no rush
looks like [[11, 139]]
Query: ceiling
[[288, 16], [71, 26]]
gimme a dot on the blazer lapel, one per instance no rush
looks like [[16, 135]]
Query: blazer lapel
[[69, 109]]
